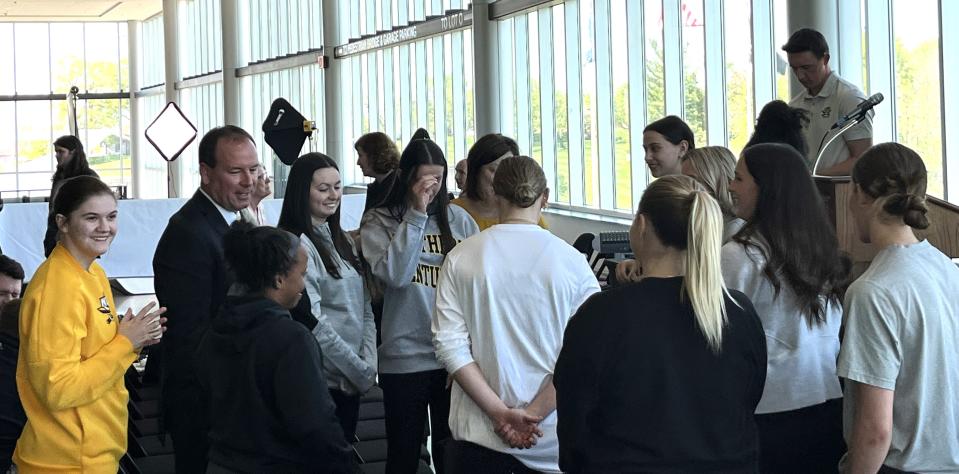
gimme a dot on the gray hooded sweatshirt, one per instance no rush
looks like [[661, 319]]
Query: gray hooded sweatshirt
[[406, 257], [344, 320]]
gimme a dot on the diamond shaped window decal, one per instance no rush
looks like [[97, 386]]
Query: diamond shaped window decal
[[171, 132]]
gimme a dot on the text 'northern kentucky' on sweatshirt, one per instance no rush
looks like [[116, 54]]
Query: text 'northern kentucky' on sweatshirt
[[406, 256]]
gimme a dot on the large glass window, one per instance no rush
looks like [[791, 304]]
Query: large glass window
[[399, 89], [46, 60], [739, 73], [917, 101]]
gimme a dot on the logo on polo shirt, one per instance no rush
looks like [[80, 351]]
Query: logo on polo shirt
[[826, 112], [105, 309]]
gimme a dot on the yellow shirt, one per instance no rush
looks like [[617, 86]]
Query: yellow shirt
[[486, 222], [70, 371]]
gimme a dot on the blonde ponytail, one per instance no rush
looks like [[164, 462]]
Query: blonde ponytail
[[704, 280]]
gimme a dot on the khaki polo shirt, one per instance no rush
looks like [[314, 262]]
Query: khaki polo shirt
[[837, 98]]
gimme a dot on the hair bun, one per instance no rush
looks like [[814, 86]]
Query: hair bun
[[420, 134], [915, 215], [911, 207], [525, 194]]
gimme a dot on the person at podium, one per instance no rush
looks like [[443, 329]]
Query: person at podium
[[827, 97]]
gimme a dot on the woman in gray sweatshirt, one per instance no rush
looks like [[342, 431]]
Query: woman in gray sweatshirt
[[405, 241], [335, 284]]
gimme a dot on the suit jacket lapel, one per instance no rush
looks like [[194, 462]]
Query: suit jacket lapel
[[210, 214]]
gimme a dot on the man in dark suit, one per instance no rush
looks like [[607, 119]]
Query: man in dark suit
[[191, 282]]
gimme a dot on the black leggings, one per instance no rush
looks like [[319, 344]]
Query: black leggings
[[347, 411], [802, 441], [405, 400]]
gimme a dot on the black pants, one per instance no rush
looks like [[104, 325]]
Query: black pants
[[802, 441], [186, 417], [405, 400], [347, 411], [463, 457]]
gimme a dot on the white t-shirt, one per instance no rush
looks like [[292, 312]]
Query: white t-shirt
[[902, 334], [503, 300], [837, 98], [801, 361]]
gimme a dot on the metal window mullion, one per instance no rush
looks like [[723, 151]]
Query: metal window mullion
[[507, 78], [203, 39], [119, 69], [636, 54], [200, 35], [439, 93], [380, 78], [389, 103], [849, 49], [764, 53], [145, 31], [318, 28], [574, 103], [265, 32], [50, 64], [547, 98], [191, 16], [371, 108], [402, 15], [216, 30], [387, 12], [714, 20], [370, 19], [404, 80], [604, 107], [274, 35], [420, 76], [949, 91], [881, 68], [309, 13], [86, 84], [319, 79], [459, 97], [281, 25], [448, 114], [523, 117], [413, 79], [673, 57], [254, 25], [295, 16], [357, 101]]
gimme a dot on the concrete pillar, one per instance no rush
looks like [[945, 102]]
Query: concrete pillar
[[485, 70], [336, 144], [231, 84], [171, 75], [137, 171]]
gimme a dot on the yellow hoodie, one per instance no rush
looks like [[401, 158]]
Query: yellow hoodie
[[70, 371]]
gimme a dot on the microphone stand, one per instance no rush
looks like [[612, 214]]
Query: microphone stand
[[822, 149]]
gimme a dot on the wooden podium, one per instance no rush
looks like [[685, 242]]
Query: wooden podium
[[943, 233]]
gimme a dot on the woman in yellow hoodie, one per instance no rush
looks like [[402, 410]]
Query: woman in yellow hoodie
[[74, 349]]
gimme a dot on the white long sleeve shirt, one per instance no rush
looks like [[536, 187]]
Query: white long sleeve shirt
[[503, 300], [801, 361]]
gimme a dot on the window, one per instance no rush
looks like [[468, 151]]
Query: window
[[917, 105], [47, 60], [397, 89]]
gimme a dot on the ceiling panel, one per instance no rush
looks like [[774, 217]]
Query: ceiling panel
[[78, 10]]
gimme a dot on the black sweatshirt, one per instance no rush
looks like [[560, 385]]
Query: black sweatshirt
[[12, 416], [270, 409], [639, 390]]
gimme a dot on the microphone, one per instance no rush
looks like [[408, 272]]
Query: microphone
[[860, 110]]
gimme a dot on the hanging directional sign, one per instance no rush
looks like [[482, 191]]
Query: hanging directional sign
[[171, 132]]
